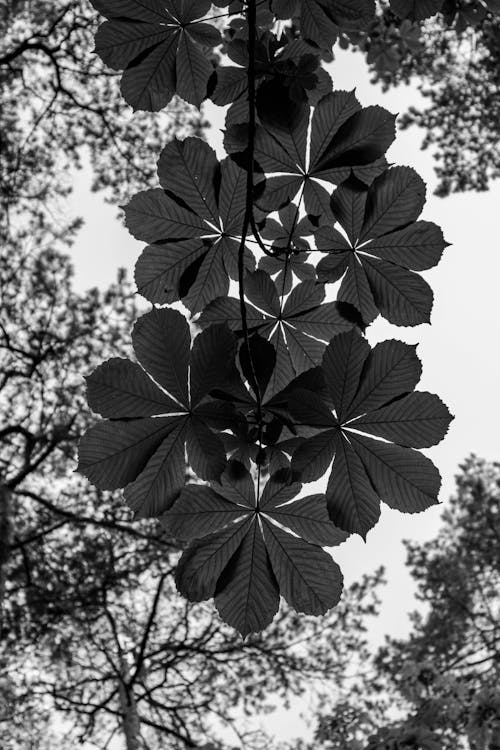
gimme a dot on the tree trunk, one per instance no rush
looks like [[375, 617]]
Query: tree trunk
[[130, 717], [5, 540]]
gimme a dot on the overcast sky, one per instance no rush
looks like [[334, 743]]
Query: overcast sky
[[458, 351]]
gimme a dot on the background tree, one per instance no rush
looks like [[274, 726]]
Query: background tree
[[454, 60], [439, 688], [102, 639], [60, 107], [55, 114]]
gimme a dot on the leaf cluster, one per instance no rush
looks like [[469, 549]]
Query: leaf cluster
[[266, 390]]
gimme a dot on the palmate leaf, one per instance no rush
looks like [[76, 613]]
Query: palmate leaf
[[370, 395], [242, 555], [194, 223], [159, 410], [160, 45], [298, 329], [339, 139], [382, 246]]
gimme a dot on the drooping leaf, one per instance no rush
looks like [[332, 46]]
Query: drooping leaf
[[112, 454], [308, 518], [297, 328], [247, 596], [342, 137], [199, 511], [311, 460], [195, 224], [161, 46], [417, 420], [351, 499], [162, 343], [240, 554], [147, 455], [309, 580], [203, 562], [404, 478], [121, 389], [384, 246], [157, 485], [370, 392]]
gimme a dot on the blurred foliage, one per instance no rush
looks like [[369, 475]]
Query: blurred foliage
[[453, 59], [61, 106], [438, 689]]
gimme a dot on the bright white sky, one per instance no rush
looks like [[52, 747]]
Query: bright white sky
[[459, 350]]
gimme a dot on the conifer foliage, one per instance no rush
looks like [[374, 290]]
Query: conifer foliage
[[268, 390]]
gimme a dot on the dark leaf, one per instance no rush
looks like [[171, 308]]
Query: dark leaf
[[162, 341], [112, 454], [120, 389], [368, 393], [148, 455], [152, 215], [343, 363], [237, 486], [157, 486], [309, 580], [403, 478], [402, 297], [385, 242], [195, 225], [188, 169], [342, 137], [160, 46], [198, 512], [418, 246], [311, 460], [212, 361], [308, 518], [261, 362], [321, 20], [207, 456], [247, 595], [276, 492], [397, 198], [418, 420], [391, 369], [297, 329], [230, 556], [202, 563], [352, 502]]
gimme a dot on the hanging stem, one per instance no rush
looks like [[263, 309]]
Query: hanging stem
[[248, 218]]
